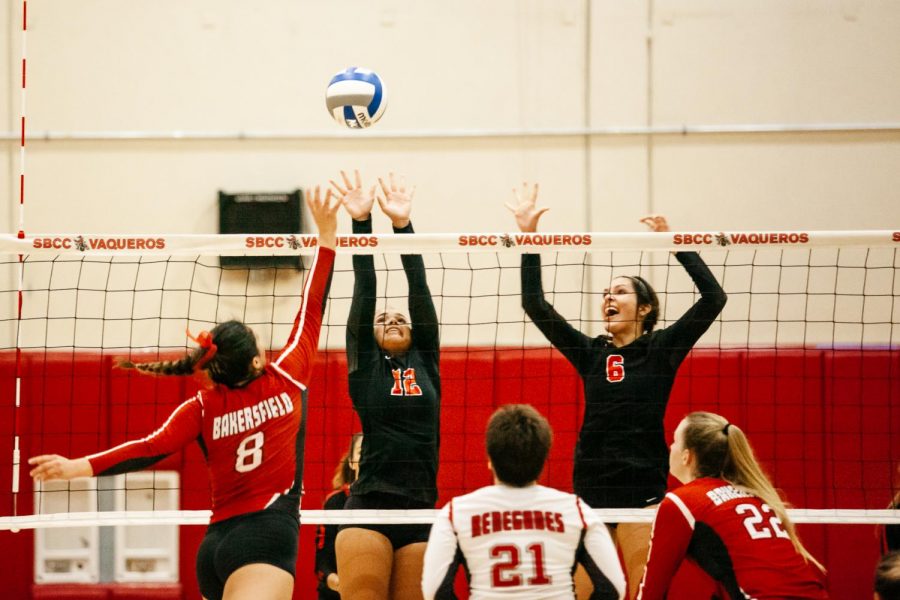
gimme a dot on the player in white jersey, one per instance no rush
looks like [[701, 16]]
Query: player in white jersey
[[517, 539]]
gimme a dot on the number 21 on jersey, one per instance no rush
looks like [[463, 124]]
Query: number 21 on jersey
[[505, 572]]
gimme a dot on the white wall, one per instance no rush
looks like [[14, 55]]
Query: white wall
[[106, 66]]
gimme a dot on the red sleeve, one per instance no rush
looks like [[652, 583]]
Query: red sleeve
[[673, 528], [182, 427], [296, 359]]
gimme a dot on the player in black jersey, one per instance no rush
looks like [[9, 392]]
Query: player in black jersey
[[396, 391], [621, 459]]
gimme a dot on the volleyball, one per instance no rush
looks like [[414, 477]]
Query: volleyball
[[356, 97]]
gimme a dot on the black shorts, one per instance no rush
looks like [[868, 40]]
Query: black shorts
[[399, 535], [610, 497], [266, 536]]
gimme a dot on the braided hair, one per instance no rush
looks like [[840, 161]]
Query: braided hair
[[226, 354]]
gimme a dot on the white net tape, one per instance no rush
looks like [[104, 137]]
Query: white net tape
[[291, 244], [387, 517]]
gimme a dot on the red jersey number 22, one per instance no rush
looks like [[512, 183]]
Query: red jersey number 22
[[615, 368]]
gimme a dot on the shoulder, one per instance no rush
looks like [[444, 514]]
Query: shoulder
[[476, 496], [691, 492], [201, 401], [697, 496]]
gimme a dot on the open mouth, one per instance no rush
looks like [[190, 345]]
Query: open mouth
[[611, 311]]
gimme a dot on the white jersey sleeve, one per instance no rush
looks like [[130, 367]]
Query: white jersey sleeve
[[441, 557], [599, 556]]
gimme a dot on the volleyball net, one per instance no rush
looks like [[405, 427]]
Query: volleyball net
[[805, 357]]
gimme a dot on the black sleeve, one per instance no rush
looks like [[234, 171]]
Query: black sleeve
[[360, 336], [447, 591], [573, 344], [425, 331], [684, 333], [326, 564], [132, 464]]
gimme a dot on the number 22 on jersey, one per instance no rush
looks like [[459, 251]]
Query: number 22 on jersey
[[755, 525]]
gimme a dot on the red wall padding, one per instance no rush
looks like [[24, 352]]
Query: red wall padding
[[824, 422]]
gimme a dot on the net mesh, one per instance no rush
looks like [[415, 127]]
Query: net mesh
[[804, 355]]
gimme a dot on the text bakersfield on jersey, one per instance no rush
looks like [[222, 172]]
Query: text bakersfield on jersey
[[249, 417]]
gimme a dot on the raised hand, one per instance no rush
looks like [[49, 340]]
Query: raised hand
[[397, 202], [656, 223], [324, 213], [357, 202], [525, 210], [54, 466]]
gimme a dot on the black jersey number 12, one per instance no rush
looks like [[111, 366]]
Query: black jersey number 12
[[405, 383]]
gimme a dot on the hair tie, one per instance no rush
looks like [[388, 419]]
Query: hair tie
[[204, 340], [725, 429]]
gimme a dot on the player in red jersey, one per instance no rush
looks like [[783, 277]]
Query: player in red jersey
[[250, 425], [728, 519]]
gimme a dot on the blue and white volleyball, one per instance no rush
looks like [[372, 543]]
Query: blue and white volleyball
[[356, 98]]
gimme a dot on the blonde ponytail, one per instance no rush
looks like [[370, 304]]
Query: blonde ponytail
[[742, 470], [722, 450]]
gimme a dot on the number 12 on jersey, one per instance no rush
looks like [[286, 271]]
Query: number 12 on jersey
[[505, 571], [405, 383]]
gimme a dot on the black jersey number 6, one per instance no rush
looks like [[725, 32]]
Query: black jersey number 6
[[615, 368]]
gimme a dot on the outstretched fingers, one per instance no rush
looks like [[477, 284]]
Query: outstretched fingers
[[319, 205], [656, 222], [525, 209], [534, 191], [337, 188], [46, 467]]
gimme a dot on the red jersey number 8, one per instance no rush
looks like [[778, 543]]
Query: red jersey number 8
[[249, 453], [615, 368]]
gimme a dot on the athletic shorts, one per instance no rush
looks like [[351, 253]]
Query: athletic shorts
[[266, 536], [399, 535]]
